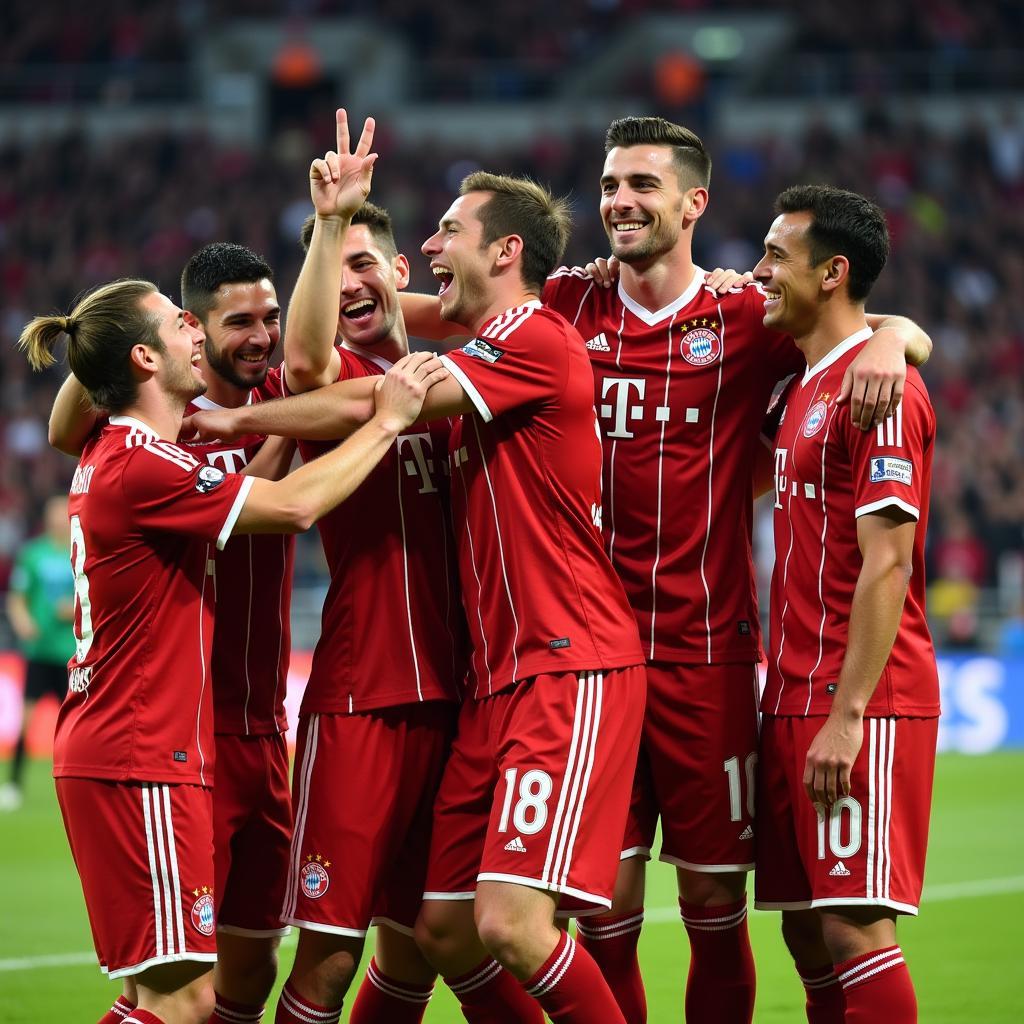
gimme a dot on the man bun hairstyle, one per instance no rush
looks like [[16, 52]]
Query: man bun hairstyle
[[691, 159], [519, 206], [375, 217], [217, 264], [843, 224], [104, 326]]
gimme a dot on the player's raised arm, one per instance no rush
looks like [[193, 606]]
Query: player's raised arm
[[873, 384], [72, 418], [338, 184], [295, 503], [422, 315]]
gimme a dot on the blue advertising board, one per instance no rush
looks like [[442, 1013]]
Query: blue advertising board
[[982, 702]]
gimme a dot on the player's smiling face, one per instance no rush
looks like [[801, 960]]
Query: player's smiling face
[[642, 202], [242, 330], [789, 279], [370, 283], [460, 261], [180, 373]]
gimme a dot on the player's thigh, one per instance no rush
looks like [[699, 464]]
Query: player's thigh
[[700, 734], [252, 834], [567, 748], [144, 853]]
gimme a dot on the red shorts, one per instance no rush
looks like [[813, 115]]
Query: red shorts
[[364, 792], [869, 850], [144, 853], [252, 833], [696, 767], [537, 788]]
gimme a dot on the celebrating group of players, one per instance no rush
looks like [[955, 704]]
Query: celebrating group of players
[[541, 635]]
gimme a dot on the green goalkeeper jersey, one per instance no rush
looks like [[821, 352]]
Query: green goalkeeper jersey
[[42, 575]]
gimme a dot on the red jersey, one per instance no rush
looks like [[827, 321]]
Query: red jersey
[[145, 518], [252, 636], [828, 474], [392, 630], [540, 593], [680, 395]]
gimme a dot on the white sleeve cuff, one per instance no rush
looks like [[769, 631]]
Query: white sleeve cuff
[[236, 511], [891, 501], [467, 385]]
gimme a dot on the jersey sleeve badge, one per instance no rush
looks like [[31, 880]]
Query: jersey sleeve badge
[[209, 479], [886, 469], [480, 349]]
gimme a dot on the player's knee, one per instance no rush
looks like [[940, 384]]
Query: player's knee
[[501, 932], [439, 935], [801, 931], [711, 888]]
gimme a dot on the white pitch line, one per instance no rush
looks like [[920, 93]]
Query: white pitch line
[[653, 915]]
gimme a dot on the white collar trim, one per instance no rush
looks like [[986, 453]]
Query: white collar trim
[[833, 354], [202, 402], [132, 424], [649, 318], [377, 360]]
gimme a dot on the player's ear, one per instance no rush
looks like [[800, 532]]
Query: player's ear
[[143, 360], [695, 202], [834, 272], [401, 268], [510, 249]]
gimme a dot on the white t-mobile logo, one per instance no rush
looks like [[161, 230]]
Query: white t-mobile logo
[[232, 460], [781, 480], [622, 411], [422, 462]]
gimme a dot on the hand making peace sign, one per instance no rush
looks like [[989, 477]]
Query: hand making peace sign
[[340, 182]]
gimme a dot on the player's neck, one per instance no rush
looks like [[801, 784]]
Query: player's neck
[[659, 283], [830, 330], [222, 392], [161, 412], [392, 348], [500, 300]]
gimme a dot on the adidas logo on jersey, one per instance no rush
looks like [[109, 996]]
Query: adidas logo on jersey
[[515, 845], [599, 344], [840, 870], [747, 833]]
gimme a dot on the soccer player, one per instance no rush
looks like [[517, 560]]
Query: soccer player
[[228, 292], [852, 699], [40, 606], [133, 753], [382, 700], [682, 377], [535, 792]]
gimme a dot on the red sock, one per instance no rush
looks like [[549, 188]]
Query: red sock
[[138, 1016], [825, 1003], [117, 1013], [570, 988], [294, 1009], [383, 1000], [225, 1011], [612, 942], [488, 994], [721, 984], [876, 987]]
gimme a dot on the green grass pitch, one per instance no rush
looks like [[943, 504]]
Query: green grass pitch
[[963, 950]]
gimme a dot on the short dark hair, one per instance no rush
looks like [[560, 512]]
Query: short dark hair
[[375, 217], [519, 206], [693, 164], [216, 264], [843, 224]]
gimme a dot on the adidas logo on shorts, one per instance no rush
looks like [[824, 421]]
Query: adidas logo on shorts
[[747, 833], [599, 344], [515, 845], [840, 870]]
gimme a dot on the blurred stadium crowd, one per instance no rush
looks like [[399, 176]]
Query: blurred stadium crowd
[[73, 214]]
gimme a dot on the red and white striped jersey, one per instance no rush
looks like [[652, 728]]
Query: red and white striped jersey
[[252, 636], [145, 518], [540, 593], [392, 630], [681, 394], [828, 473]]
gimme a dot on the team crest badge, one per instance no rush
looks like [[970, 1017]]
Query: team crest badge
[[202, 910], [313, 876], [700, 344], [209, 479], [815, 419]]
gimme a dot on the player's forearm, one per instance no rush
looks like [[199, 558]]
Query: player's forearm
[[72, 418], [312, 323], [874, 619], [422, 314], [326, 414], [18, 615], [917, 345], [295, 503], [273, 460]]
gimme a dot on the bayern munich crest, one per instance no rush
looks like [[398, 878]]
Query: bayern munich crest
[[815, 419], [202, 911], [700, 344], [313, 876]]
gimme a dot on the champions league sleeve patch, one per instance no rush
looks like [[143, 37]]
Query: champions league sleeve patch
[[900, 471], [480, 349], [209, 479]]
